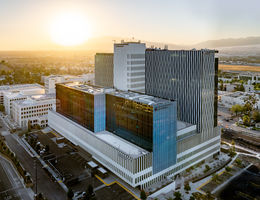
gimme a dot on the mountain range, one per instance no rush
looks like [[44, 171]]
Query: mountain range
[[106, 43]]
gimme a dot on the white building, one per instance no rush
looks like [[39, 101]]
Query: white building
[[20, 94], [33, 109], [229, 99], [231, 87], [249, 88], [128, 161], [50, 81], [129, 66], [18, 87]]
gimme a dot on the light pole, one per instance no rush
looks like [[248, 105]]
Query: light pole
[[35, 165]]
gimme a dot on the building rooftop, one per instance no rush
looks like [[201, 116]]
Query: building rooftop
[[126, 43], [92, 164], [141, 98], [23, 92], [184, 50], [237, 94], [102, 170], [31, 100], [121, 144], [91, 89], [109, 54], [20, 86], [181, 125]]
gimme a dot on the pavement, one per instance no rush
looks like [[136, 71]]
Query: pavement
[[253, 153], [49, 188], [11, 185], [224, 113]]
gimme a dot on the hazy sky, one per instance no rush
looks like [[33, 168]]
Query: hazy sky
[[25, 24]]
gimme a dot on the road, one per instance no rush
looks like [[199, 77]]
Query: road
[[223, 114], [50, 189], [11, 186]]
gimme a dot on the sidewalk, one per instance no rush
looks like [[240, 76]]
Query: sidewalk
[[35, 154], [28, 191]]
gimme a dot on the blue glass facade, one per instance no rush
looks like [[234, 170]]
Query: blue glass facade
[[84, 108], [99, 113], [164, 136], [130, 120], [146, 121]]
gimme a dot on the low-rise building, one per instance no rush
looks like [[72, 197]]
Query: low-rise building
[[33, 110], [50, 81], [231, 98], [17, 87], [231, 87], [13, 95]]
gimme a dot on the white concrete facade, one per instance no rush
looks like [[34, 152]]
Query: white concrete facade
[[50, 81], [129, 66], [231, 98], [33, 109], [17, 87], [20, 94], [134, 170]]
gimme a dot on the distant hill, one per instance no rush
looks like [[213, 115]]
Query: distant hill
[[230, 42], [105, 44]]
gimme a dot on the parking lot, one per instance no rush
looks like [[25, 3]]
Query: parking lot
[[70, 162]]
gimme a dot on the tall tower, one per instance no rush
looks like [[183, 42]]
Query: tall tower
[[104, 69], [190, 78], [129, 66]]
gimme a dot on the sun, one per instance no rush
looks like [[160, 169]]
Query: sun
[[69, 29]]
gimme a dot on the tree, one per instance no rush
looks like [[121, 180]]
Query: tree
[[238, 162], [39, 197], [192, 198], [221, 87], [207, 168], [187, 187], [177, 195], [232, 152], [2, 108], [256, 116], [215, 177], [246, 120], [250, 103], [237, 109], [70, 194], [209, 195], [240, 87], [228, 169], [143, 195]]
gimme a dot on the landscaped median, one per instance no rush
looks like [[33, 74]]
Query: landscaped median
[[7, 153], [225, 175]]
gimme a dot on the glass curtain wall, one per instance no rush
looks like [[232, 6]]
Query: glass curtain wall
[[130, 120], [76, 105]]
